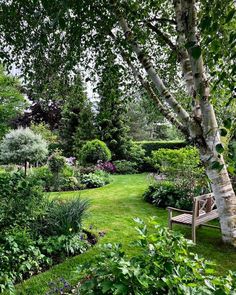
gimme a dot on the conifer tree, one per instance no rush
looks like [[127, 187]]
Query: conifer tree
[[111, 118]]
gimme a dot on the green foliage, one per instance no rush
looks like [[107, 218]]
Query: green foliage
[[56, 162], [94, 151], [19, 257], [150, 146], [64, 245], [34, 232], [125, 167], [111, 118], [97, 179], [182, 163], [182, 166], [77, 122], [164, 265], [21, 200], [22, 145], [61, 217], [44, 176], [44, 130], [12, 102], [168, 193], [135, 154]]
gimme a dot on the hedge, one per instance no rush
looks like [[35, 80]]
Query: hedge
[[150, 146]]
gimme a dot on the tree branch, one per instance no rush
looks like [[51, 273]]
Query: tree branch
[[161, 20], [147, 64], [163, 36], [165, 111]]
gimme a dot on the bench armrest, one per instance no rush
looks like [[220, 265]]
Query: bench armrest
[[179, 210]]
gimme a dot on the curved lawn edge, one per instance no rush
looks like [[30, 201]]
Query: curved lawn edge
[[113, 208]]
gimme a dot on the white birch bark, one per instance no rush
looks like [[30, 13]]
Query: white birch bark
[[164, 109], [220, 181], [147, 64], [184, 59]]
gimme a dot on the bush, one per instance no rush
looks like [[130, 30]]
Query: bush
[[167, 193], [21, 200], [64, 245], [150, 146], [97, 179], [125, 167], [106, 166], [56, 162], [182, 165], [44, 176], [164, 266], [61, 218], [19, 257], [136, 154], [94, 151], [87, 169]]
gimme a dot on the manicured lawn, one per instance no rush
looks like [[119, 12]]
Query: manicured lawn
[[113, 208]]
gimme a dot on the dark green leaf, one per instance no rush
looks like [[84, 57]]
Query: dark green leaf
[[219, 148], [196, 52], [216, 165], [230, 16], [189, 45], [227, 123], [223, 132]]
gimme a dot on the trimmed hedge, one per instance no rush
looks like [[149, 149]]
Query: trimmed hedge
[[150, 146]]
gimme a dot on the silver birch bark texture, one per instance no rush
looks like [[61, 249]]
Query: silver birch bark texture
[[220, 181], [184, 59], [147, 64], [166, 112]]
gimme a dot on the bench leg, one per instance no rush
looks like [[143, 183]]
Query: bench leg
[[169, 219], [194, 234]]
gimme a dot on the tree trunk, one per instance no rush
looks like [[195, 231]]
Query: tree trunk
[[25, 166], [210, 154]]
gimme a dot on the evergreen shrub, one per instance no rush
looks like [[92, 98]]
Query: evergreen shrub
[[150, 146], [94, 151]]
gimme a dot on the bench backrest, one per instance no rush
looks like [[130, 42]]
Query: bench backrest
[[203, 204]]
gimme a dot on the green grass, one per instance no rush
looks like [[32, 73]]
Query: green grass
[[113, 208]]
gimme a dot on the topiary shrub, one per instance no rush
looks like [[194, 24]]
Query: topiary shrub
[[22, 146], [94, 151]]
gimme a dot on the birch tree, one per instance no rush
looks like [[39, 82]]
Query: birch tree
[[146, 36]]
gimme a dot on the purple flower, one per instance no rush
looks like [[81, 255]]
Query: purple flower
[[70, 161], [106, 166]]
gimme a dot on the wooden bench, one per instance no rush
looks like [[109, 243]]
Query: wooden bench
[[204, 210]]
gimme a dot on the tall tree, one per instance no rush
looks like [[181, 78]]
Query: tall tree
[[162, 34], [12, 101], [77, 122], [112, 110]]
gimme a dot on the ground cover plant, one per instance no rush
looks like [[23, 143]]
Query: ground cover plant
[[113, 208]]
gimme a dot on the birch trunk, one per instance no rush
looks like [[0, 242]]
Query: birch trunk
[[220, 181]]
